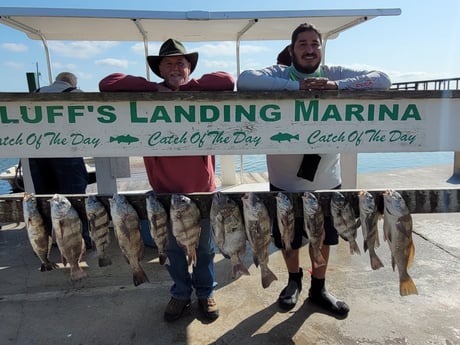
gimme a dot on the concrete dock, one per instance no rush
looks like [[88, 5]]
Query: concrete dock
[[106, 309]]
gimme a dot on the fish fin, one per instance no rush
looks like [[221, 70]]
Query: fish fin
[[354, 249], [239, 269], [365, 246], [411, 255], [256, 261], [393, 262], [139, 276], [162, 258], [376, 263], [407, 287], [268, 277], [77, 273], [64, 260]]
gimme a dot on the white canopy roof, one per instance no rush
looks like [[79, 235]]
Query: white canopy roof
[[192, 26]]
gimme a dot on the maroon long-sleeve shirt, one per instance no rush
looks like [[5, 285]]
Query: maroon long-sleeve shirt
[[175, 174]]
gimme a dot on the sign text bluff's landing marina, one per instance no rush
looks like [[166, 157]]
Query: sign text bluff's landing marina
[[168, 127]]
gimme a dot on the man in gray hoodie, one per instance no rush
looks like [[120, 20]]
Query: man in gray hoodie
[[297, 172]]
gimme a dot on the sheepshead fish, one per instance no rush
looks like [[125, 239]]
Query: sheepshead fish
[[67, 228], [258, 230], [186, 227], [98, 224], [314, 226], [158, 221], [128, 233], [344, 220], [397, 227], [228, 231], [285, 219], [369, 218], [39, 237]]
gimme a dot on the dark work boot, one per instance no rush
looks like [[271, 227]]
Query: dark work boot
[[288, 297], [320, 297]]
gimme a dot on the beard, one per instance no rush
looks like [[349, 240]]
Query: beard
[[303, 69]]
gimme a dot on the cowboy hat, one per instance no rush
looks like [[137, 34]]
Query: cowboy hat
[[171, 47]]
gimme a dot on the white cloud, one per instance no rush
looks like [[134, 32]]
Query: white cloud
[[218, 49], [64, 66], [254, 49], [14, 65], [138, 48], [80, 49], [14, 47], [122, 63], [217, 64]]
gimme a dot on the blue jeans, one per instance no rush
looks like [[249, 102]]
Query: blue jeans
[[202, 276]]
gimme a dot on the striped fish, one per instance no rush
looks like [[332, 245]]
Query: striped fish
[[128, 233], [313, 217], [39, 237], [98, 224], [67, 228], [257, 223], [158, 221], [186, 227]]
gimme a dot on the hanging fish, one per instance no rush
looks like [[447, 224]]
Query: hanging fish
[[67, 228], [127, 230], [39, 237]]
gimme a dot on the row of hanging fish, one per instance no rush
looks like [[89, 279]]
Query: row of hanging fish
[[67, 227], [231, 228], [397, 230]]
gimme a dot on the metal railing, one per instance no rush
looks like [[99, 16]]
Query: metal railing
[[434, 84]]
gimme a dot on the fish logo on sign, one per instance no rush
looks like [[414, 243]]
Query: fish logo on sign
[[124, 139], [284, 137]]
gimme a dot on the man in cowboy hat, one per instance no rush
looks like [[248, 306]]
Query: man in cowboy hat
[[181, 174]]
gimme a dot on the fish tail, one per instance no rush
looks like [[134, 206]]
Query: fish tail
[[296, 137], [239, 268], [48, 266], [354, 249], [139, 276], [365, 246], [112, 139], [411, 255], [192, 258], [407, 287], [268, 277], [104, 261], [376, 263], [162, 258], [77, 273]]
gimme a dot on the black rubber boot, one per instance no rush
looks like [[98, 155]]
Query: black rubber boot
[[320, 297], [288, 297]]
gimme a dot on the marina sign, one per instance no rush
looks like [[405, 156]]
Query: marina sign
[[92, 124]]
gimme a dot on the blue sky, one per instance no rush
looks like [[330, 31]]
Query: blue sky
[[422, 43]]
